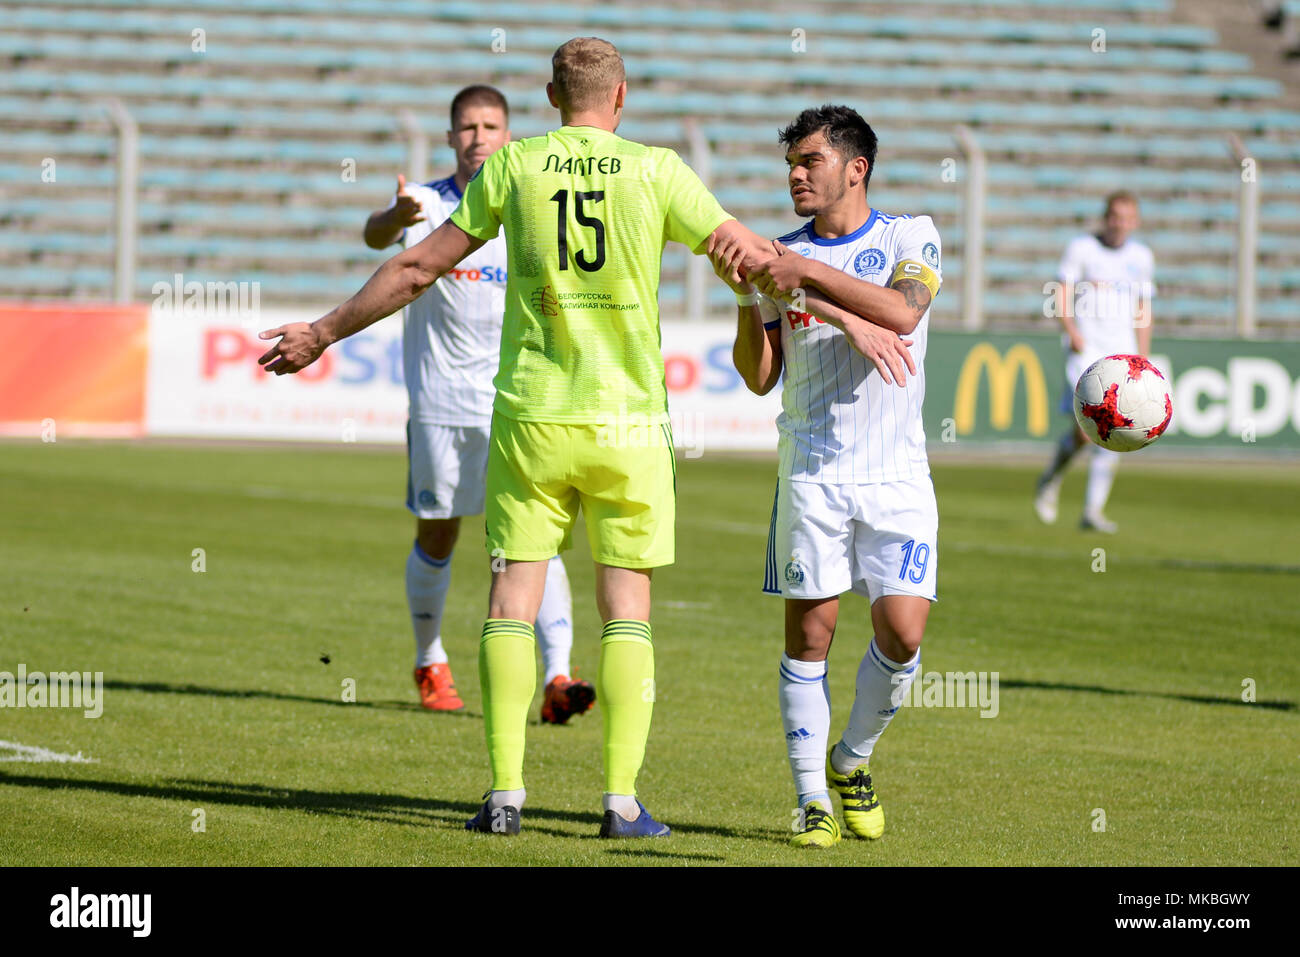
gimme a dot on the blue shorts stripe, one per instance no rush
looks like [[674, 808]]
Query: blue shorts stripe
[[410, 489], [770, 582]]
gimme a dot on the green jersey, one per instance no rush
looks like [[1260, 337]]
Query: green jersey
[[586, 215]]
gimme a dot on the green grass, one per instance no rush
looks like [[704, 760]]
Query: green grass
[[1119, 690]]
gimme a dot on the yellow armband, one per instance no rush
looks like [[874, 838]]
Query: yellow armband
[[911, 269]]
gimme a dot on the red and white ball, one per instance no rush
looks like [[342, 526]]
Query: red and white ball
[[1123, 403]]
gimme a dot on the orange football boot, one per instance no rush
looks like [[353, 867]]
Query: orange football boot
[[565, 698], [437, 688]]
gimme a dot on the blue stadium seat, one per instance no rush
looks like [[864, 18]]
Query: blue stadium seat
[[241, 143]]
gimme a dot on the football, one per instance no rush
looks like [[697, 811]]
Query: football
[[1123, 403]]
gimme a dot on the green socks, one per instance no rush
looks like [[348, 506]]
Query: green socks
[[507, 670], [626, 692], [507, 665]]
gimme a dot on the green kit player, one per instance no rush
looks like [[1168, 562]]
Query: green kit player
[[580, 385]]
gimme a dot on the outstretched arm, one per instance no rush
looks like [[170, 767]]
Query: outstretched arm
[[397, 282]]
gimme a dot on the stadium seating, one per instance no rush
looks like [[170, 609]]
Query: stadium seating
[[248, 131]]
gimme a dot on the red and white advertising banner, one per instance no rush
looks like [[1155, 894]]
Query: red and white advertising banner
[[204, 380]]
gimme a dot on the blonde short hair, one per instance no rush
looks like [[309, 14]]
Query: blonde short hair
[[1120, 196], [584, 72]]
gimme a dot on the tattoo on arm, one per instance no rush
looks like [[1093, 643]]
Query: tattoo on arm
[[915, 294]]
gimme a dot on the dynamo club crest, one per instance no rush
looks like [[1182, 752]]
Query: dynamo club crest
[[869, 261], [794, 572]]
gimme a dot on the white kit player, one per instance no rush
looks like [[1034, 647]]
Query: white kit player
[[451, 346], [855, 508], [1107, 282]]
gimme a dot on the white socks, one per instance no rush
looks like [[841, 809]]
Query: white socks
[[881, 688], [1101, 476], [554, 626], [500, 799], [806, 714], [624, 805], [427, 581]]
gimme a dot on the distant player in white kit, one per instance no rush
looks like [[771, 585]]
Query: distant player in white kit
[[855, 507], [1104, 304], [451, 344]]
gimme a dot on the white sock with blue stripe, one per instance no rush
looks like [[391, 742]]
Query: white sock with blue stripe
[[806, 715], [554, 625], [882, 686], [427, 581]]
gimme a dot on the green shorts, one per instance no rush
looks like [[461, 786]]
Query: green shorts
[[540, 473]]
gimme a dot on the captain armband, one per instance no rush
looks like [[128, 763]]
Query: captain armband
[[911, 269]]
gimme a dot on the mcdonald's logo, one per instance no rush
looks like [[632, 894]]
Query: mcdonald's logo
[[1003, 372]]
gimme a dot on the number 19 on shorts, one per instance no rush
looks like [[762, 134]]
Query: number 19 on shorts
[[915, 558]]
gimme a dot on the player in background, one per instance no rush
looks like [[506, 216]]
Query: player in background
[[1104, 304], [586, 214], [854, 508], [451, 343]]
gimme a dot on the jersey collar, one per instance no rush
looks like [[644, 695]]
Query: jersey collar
[[841, 240]]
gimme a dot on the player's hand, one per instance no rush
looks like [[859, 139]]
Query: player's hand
[[1076, 341], [884, 348], [300, 346], [727, 266], [784, 272], [731, 236], [406, 208]]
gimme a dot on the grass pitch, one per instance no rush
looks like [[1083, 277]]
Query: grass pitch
[[1121, 691]]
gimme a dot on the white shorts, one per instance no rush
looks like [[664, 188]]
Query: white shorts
[[878, 539], [447, 476]]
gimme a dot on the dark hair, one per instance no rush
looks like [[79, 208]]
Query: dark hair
[[480, 94], [845, 130]]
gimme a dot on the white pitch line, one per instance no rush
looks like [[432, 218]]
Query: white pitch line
[[37, 755]]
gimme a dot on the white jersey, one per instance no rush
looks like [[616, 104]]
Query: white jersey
[[1109, 288], [451, 339], [840, 423]]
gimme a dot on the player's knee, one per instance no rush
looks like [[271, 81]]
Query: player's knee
[[622, 593], [516, 591], [899, 644]]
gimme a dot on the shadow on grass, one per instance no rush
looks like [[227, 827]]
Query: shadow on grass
[[360, 805], [160, 687], [1274, 705]]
